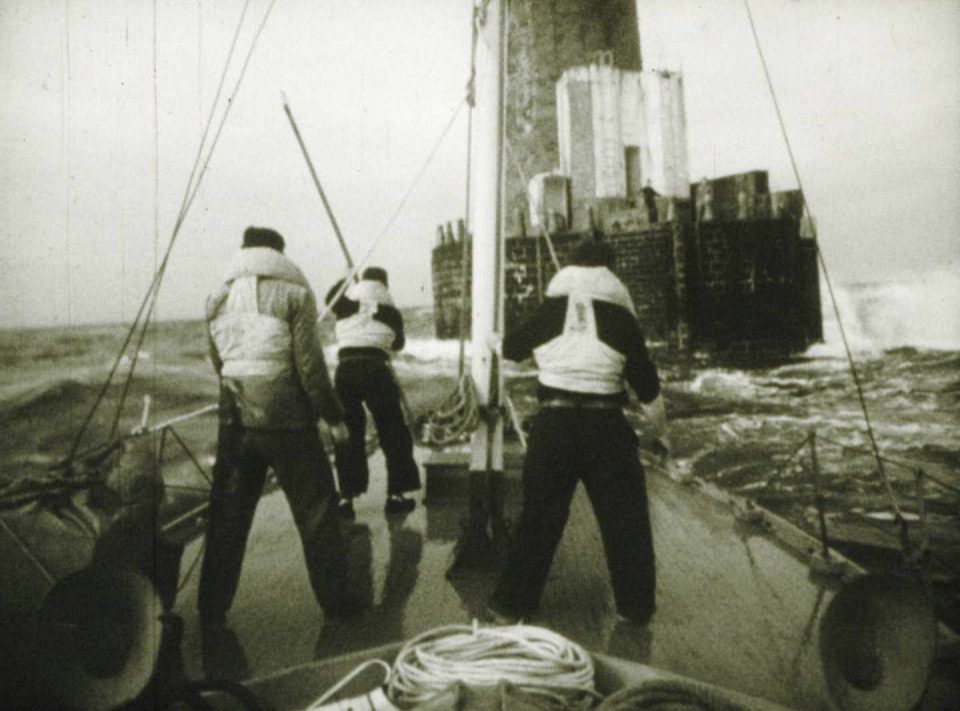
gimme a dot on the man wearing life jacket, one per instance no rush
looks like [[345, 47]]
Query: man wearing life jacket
[[586, 343], [369, 330], [274, 386]]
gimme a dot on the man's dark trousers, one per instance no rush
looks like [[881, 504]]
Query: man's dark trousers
[[598, 447], [304, 474], [371, 380]]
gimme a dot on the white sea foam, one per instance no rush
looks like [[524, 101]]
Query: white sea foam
[[723, 383], [142, 355], [422, 350], [920, 310], [430, 350], [430, 356]]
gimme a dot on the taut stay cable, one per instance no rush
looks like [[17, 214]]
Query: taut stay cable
[[823, 266]]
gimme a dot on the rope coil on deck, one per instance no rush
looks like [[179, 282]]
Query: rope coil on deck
[[532, 659], [456, 418]]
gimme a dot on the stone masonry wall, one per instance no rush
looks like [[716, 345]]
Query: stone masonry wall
[[644, 261], [809, 274], [448, 282], [745, 288], [752, 295]]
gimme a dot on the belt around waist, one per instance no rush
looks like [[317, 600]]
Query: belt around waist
[[574, 404], [380, 356]]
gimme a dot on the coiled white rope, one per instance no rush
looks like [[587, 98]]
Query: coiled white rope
[[532, 659], [456, 418]]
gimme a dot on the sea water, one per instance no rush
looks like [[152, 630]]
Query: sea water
[[745, 429]]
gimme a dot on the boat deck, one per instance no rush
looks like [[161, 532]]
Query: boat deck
[[736, 607]]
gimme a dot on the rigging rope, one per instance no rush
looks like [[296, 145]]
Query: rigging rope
[[184, 209], [65, 131], [188, 198], [823, 266], [456, 418], [910, 467], [351, 273], [786, 463], [459, 415], [25, 549], [465, 253], [154, 510], [193, 185]]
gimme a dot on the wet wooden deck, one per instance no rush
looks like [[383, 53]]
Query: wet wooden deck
[[735, 606]]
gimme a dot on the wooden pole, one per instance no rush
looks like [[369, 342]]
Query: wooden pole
[[484, 537], [487, 245], [316, 182]]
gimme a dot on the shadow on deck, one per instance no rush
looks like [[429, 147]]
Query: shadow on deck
[[736, 607]]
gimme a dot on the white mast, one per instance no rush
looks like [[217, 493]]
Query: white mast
[[488, 223]]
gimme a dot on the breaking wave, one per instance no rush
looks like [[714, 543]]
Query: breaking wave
[[33, 399], [920, 311], [430, 350]]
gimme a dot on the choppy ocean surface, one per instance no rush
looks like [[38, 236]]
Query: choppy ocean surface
[[741, 428]]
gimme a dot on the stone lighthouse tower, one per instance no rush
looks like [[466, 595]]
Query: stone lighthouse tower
[[596, 146], [579, 105], [544, 38]]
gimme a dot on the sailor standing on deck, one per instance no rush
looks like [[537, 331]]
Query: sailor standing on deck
[[586, 343], [369, 330], [274, 386]]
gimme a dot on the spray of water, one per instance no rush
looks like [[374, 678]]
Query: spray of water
[[920, 311]]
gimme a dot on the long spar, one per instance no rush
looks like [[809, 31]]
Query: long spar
[[336, 228], [316, 182]]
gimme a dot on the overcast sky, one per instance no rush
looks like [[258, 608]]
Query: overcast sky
[[870, 91]]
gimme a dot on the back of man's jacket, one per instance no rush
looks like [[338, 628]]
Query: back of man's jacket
[[264, 343]]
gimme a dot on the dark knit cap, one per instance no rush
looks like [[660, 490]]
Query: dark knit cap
[[590, 253], [263, 237], [375, 274]]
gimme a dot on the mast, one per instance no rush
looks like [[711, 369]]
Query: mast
[[488, 226], [484, 536]]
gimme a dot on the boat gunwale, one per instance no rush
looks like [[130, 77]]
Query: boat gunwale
[[611, 674]]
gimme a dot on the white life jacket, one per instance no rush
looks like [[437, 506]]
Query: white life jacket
[[249, 342], [577, 360], [362, 330]]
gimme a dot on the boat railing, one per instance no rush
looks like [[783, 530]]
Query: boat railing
[[914, 551]]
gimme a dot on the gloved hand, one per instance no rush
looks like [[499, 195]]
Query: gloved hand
[[339, 434]]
